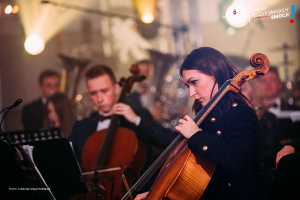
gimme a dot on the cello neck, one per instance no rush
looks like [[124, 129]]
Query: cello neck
[[110, 134]]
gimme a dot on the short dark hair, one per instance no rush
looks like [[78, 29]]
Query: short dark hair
[[100, 70], [47, 73], [275, 71]]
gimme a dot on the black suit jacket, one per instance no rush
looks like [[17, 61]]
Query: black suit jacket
[[33, 115], [133, 99], [232, 143], [269, 129], [288, 130]]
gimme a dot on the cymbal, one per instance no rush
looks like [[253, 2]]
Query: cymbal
[[283, 47]]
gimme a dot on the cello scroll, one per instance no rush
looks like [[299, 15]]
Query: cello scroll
[[257, 60]]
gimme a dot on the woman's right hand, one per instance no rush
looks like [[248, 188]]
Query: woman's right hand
[[141, 196]]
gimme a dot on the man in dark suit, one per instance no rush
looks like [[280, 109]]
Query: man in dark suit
[[272, 86], [141, 96], [33, 113], [103, 90]]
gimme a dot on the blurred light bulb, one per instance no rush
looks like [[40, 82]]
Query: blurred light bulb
[[15, 9], [8, 9], [78, 98], [147, 18], [34, 44], [231, 31], [289, 85], [236, 16]]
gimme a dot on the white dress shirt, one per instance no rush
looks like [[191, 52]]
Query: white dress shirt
[[105, 123], [276, 110]]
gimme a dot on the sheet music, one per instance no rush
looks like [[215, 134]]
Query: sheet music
[[29, 150]]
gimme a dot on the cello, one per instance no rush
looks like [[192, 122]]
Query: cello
[[109, 153], [179, 176]]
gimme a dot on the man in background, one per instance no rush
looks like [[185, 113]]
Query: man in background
[[33, 113], [141, 96], [272, 87]]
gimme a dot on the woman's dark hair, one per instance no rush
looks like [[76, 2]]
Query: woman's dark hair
[[211, 62], [64, 110]]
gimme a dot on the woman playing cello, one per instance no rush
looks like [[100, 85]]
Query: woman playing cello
[[229, 136]]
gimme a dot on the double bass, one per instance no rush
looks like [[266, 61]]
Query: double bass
[[185, 175], [109, 153]]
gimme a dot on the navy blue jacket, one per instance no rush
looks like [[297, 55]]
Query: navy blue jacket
[[231, 142]]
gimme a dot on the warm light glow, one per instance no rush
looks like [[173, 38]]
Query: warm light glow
[[289, 85], [34, 44], [8, 9], [146, 9], [45, 19], [236, 16], [147, 18], [78, 98], [15, 9]]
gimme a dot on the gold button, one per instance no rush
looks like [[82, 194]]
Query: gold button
[[229, 185], [218, 132], [234, 104], [213, 120], [204, 148]]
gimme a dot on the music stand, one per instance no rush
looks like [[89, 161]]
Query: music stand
[[57, 163], [24, 136], [19, 177]]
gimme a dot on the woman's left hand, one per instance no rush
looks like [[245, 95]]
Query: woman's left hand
[[187, 127]]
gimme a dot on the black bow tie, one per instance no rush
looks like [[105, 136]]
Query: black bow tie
[[102, 117], [273, 106]]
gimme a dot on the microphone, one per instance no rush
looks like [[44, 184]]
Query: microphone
[[16, 104], [7, 136]]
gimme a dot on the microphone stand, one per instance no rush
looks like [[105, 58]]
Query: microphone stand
[[6, 137], [97, 188]]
